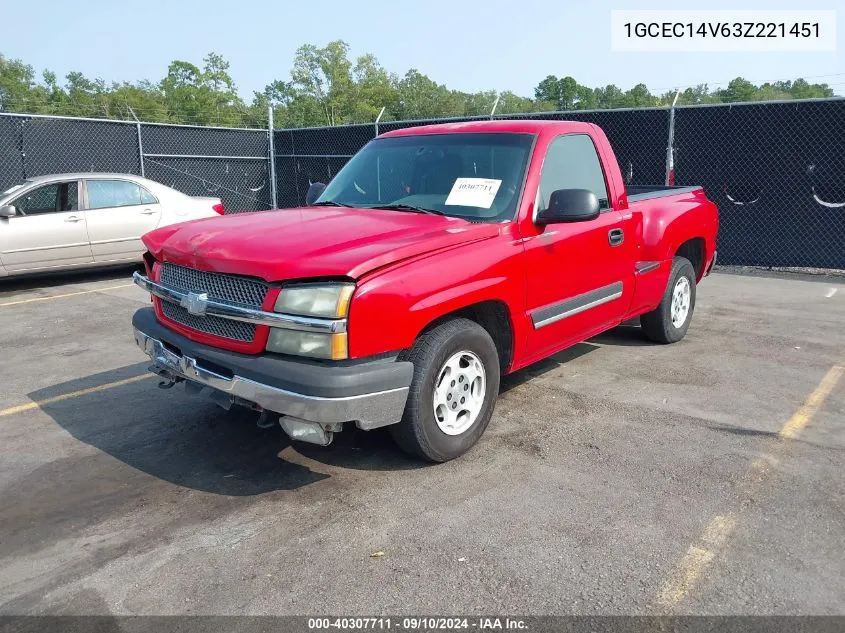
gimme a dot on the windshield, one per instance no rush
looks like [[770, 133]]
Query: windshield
[[473, 176]]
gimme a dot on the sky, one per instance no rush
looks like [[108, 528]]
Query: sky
[[470, 46]]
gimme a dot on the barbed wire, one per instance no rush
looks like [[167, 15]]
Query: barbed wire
[[22, 105]]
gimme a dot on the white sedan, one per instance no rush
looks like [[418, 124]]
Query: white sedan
[[87, 220]]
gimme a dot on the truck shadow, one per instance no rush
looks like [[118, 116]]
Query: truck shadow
[[189, 441], [544, 366], [172, 436], [625, 335]]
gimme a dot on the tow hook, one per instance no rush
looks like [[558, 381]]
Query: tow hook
[[264, 421], [169, 379]]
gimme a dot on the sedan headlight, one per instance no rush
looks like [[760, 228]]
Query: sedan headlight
[[330, 301], [325, 301]]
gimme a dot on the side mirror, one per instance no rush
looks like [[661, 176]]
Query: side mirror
[[569, 205], [8, 211], [314, 192]]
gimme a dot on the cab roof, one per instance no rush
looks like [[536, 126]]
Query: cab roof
[[513, 126]]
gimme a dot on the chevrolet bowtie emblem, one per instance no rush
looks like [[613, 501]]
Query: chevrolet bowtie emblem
[[195, 303]]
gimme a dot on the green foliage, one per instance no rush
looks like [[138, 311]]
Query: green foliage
[[326, 87]]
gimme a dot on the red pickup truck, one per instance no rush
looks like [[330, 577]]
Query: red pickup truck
[[438, 259]]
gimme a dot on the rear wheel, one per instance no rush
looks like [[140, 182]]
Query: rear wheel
[[453, 392], [669, 322]]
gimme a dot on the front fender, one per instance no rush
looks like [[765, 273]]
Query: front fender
[[390, 309]]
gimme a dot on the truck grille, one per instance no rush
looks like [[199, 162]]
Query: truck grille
[[219, 287], [224, 328]]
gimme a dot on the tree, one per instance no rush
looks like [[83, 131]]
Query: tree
[[565, 93], [638, 97], [418, 97], [738, 89], [326, 87], [373, 89], [510, 103], [215, 78], [17, 82], [609, 97], [800, 89], [323, 76]]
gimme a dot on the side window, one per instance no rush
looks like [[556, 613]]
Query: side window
[[42, 200], [572, 163], [147, 197], [103, 194]]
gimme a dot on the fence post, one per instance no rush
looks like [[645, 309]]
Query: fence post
[[140, 142], [670, 147], [272, 148], [378, 118]]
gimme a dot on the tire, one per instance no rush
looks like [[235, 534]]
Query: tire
[[658, 325], [419, 432]]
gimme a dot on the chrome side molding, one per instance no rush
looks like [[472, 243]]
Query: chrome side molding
[[576, 305]]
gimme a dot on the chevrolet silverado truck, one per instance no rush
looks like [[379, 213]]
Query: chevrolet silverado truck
[[438, 259]]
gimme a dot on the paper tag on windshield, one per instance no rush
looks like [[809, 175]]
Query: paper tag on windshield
[[473, 192]]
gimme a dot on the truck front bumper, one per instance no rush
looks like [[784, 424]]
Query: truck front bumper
[[371, 393]]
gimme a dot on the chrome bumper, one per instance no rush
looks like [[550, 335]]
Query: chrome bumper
[[369, 410]]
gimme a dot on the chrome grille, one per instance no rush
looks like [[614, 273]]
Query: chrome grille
[[218, 287], [224, 328]]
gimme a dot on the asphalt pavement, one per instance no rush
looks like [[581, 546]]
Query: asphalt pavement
[[618, 477]]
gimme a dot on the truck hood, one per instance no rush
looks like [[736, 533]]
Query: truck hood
[[309, 242]]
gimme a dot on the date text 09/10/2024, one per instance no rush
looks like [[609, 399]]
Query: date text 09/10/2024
[[417, 623]]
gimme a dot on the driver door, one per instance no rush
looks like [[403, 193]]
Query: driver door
[[49, 230], [579, 274]]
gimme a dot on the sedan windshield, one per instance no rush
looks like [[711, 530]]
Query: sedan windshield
[[476, 176]]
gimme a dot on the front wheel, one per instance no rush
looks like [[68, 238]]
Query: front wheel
[[453, 392], [669, 322]]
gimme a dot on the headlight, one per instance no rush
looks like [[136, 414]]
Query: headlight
[[313, 344], [326, 301], [329, 301]]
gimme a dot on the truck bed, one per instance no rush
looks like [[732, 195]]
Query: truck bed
[[647, 192]]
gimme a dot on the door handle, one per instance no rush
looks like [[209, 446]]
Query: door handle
[[73, 218], [615, 237], [147, 211]]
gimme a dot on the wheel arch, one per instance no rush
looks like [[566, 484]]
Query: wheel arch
[[491, 314], [694, 250]]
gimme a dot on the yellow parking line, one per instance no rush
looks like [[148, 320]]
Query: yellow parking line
[[21, 408], [803, 416], [696, 559], [701, 553], [69, 294]]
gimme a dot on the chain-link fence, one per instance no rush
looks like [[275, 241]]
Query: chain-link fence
[[231, 164], [775, 169], [777, 172]]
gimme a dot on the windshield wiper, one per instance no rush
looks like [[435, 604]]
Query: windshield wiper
[[332, 203], [407, 207]]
